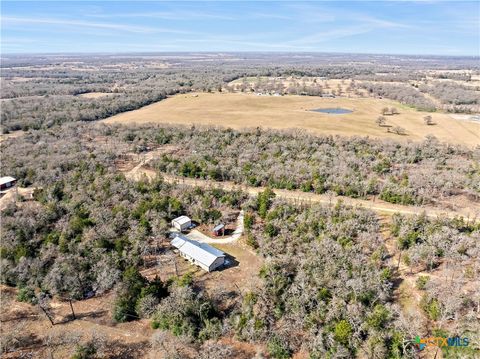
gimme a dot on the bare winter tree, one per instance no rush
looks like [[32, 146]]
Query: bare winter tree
[[428, 120], [66, 281], [216, 351], [61, 340], [381, 121], [399, 130], [43, 301], [171, 348]]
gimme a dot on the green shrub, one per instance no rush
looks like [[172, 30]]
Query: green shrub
[[264, 202], [212, 329], [342, 332], [85, 351], [379, 317], [124, 309], [252, 241], [185, 280], [277, 349], [431, 307], [134, 288], [422, 282], [271, 230], [27, 295], [248, 221]]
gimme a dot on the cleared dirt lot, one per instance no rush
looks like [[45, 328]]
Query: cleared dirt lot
[[239, 111]]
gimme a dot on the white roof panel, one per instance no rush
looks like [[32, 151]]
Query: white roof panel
[[6, 179], [182, 220], [201, 252], [219, 227]]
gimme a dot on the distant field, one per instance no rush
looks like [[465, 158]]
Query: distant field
[[95, 94], [238, 110]]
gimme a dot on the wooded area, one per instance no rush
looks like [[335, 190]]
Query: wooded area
[[332, 277]]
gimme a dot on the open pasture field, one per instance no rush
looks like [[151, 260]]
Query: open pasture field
[[238, 110]]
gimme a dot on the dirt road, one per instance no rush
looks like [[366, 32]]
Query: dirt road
[[200, 237], [12, 194], [306, 197]]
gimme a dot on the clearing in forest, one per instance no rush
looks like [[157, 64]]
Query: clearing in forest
[[240, 110]]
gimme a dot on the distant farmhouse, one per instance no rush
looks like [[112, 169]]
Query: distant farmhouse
[[7, 182], [182, 223], [201, 254]]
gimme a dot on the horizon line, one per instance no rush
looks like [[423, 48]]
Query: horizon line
[[106, 53]]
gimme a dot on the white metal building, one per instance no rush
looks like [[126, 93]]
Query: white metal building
[[7, 182], [201, 254], [182, 223]]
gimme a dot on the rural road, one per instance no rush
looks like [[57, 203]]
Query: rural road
[[300, 197]]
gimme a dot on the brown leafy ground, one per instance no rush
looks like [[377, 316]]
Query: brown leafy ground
[[27, 333]]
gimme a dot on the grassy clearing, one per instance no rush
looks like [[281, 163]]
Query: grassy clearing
[[95, 95], [239, 110]]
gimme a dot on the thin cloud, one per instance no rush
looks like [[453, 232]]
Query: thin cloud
[[168, 15], [11, 20], [270, 16], [381, 23], [306, 13], [329, 35]]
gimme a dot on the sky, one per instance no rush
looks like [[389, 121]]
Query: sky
[[385, 27]]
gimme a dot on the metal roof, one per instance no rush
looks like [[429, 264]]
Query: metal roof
[[6, 179], [218, 227], [182, 220], [201, 252]]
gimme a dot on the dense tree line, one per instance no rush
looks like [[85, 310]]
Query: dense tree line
[[326, 288], [48, 101], [451, 93], [413, 173], [402, 93], [88, 228], [326, 285], [447, 251]]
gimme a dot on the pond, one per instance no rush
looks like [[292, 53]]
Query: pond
[[333, 111]]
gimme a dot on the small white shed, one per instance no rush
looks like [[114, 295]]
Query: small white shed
[[7, 182], [182, 223], [203, 255]]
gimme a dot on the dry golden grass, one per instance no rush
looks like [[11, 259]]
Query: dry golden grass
[[239, 110], [95, 94]]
